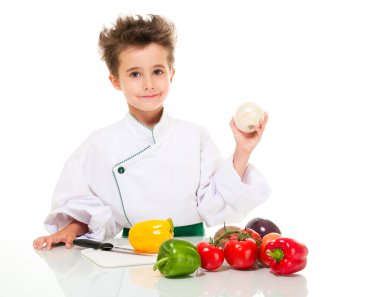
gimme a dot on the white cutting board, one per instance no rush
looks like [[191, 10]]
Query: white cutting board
[[113, 259]]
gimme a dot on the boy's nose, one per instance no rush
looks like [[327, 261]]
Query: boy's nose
[[148, 84]]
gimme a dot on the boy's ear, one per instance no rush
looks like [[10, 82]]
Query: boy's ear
[[172, 74], [115, 82]]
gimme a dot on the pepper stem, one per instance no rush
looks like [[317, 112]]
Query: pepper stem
[[276, 254], [170, 221], [160, 263]]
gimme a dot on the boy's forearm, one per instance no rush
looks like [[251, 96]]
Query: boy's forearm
[[240, 161], [77, 227]]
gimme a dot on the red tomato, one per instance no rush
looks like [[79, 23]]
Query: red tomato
[[256, 236], [252, 233], [212, 256], [223, 241], [241, 254], [263, 257]]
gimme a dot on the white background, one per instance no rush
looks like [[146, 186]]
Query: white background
[[313, 65]]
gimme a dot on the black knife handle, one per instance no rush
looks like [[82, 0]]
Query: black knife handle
[[93, 244]]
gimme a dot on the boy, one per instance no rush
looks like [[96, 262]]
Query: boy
[[149, 165]]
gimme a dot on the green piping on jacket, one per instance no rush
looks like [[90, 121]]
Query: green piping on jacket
[[127, 159]]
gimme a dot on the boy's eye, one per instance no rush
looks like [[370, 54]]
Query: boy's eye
[[135, 74], [158, 72]]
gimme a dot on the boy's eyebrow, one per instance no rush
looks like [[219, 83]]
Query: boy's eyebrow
[[159, 65], [137, 68], [132, 69]]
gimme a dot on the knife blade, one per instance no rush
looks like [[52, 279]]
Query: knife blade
[[105, 246]]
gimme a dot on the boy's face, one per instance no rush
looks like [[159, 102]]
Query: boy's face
[[144, 77]]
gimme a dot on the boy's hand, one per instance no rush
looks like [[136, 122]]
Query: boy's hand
[[59, 237], [66, 236], [246, 142]]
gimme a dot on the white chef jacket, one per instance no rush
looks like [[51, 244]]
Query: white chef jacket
[[127, 172]]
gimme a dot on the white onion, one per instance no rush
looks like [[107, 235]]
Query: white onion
[[248, 116]]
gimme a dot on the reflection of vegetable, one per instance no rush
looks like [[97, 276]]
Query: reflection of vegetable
[[263, 257], [167, 287], [288, 255], [177, 258], [242, 252], [147, 236], [143, 276], [248, 116], [270, 286], [212, 257], [262, 226]]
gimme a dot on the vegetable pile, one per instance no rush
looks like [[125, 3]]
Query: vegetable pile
[[242, 249]]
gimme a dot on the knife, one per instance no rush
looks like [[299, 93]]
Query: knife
[[105, 246]]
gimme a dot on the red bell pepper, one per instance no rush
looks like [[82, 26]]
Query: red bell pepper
[[264, 259], [287, 255]]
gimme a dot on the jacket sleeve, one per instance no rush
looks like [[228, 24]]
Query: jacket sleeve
[[74, 199], [223, 197]]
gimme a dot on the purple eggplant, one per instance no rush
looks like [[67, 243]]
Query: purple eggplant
[[262, 226]]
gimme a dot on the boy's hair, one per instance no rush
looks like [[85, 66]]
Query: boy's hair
[[136, 31]]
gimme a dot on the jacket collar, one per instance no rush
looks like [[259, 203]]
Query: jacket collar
[[146, 134]]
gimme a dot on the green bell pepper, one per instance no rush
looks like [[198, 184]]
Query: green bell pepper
[[177, 258]]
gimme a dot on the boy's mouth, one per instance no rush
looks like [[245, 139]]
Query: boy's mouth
[[150, 96]]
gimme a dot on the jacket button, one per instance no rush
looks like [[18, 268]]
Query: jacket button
[[121, 170]]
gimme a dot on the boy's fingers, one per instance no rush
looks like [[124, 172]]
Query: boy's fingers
[[36, 243], [49, 242], [232, 123], [40, 243], [264, 121], [69, 241], [233, 126]]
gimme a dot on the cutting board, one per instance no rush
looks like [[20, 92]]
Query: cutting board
[[113, 259]]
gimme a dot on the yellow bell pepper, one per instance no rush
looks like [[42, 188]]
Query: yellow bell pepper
[[147, 236]]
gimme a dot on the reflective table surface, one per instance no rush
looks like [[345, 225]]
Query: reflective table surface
[[65, 272]]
